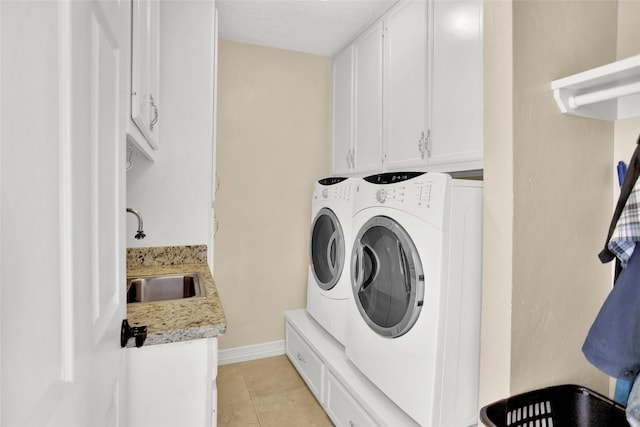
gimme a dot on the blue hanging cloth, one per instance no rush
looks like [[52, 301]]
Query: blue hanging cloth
[[622, 170], [623, 387], [611, 341]]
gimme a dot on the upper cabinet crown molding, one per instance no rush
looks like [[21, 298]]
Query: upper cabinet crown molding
[[609, 92]]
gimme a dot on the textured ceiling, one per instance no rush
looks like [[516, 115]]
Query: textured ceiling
[[320, 27]]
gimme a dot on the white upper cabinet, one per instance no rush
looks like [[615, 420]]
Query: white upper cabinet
[[456, 96], [144, 126], [342, 112], [430, 85], [357, 105], [368, 101], [405, 83]]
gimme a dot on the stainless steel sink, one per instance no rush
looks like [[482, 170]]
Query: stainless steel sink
[[165, 287]]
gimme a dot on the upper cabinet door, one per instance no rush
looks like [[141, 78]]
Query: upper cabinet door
[[405, 83], [145, 82], [342, 112], [456, 112], [368, 101]]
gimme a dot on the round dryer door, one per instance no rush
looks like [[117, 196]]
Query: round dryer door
[[327, 249], [387, 277]]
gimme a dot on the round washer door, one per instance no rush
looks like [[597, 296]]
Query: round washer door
[[387, 277], [327, 249]]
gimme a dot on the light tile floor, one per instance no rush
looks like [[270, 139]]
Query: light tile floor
[[267, 393]]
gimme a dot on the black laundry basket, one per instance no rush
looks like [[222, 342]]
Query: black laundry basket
[[558, 406]]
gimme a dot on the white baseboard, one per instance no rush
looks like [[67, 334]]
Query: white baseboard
[[250, 352]]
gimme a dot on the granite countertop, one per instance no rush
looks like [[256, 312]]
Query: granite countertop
[[177, 320]]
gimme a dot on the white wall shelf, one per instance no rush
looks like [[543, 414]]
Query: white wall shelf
[[609, 92]]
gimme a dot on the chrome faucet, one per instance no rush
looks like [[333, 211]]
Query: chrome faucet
[[140, 234]]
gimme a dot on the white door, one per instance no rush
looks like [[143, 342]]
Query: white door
[[62, 139], [405, 92]]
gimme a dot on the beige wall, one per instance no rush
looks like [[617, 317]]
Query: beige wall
[[548, 289], [495, 363], [562, 167], [272, 144]]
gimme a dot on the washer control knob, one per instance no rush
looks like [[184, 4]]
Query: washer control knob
[[325, 193], [381, 196]]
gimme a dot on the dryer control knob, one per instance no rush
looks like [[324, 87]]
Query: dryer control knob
[[325, 193], [381, 196]]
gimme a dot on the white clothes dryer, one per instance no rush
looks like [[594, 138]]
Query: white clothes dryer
[[414, 324], [328, 286]]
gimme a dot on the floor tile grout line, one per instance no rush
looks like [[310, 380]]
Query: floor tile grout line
[[244, 383], [253, 404]]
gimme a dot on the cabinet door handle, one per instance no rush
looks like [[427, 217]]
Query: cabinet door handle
[[155, 113], [300, 358], [421, 146]]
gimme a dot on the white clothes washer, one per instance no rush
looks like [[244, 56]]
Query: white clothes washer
[[414, 324], [329, 286]]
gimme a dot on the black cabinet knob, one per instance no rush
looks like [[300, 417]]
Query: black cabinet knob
[[137, 332]]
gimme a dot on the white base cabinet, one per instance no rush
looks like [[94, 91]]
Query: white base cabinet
[[346, 395], [309, 365], [342, 407], [173, 384]]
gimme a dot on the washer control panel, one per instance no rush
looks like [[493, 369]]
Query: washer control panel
[[419, 192], [426, 196]]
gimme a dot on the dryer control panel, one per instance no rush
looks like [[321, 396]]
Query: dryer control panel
[[333, 190]]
